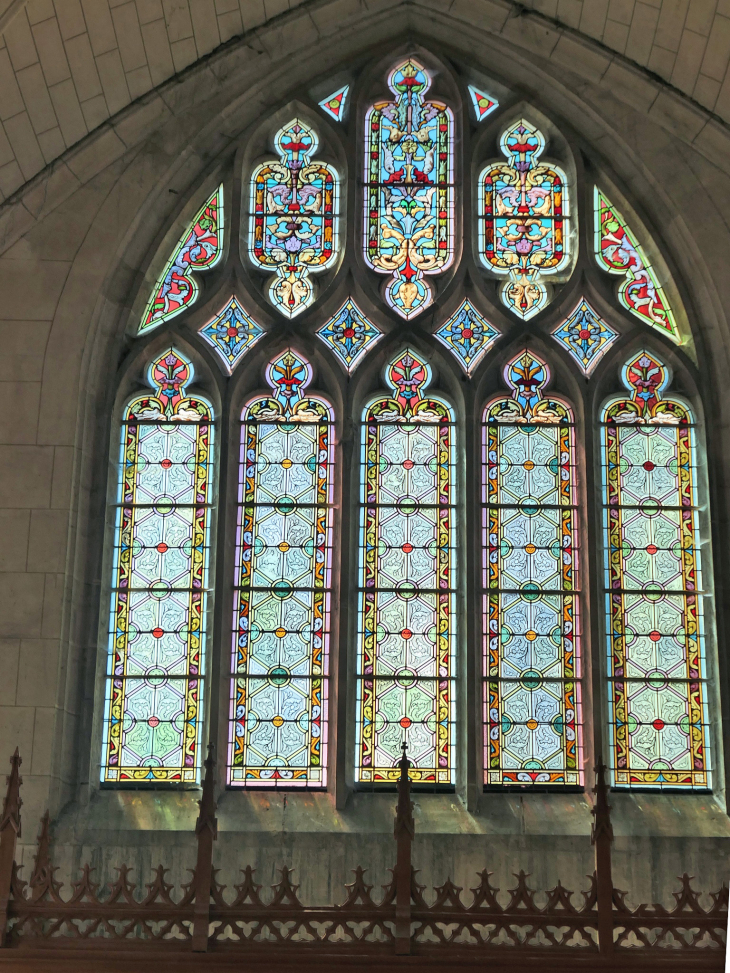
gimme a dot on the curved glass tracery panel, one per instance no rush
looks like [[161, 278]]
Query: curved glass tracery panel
[[294, 210], [619, 252], [532, 716], [523, 219], [406, 637], [656, 657], [281, 618], [200, 248], [409, 193], [156, 663]]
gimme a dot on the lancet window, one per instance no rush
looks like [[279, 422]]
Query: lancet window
[[423, 495]]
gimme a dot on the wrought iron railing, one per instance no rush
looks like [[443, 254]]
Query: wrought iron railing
[[597, 931]]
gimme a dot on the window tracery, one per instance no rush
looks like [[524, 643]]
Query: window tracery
[[518, 516]]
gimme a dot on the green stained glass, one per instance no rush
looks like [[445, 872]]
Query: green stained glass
[[532, 708], [279, 679], [156, 659], [657, 687], [406, 636]]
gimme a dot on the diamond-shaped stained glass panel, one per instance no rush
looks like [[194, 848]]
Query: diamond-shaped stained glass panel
[[232, 332], [468, 335], [350, 334], [586, 336]]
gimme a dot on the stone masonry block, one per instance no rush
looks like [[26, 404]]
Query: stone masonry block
[[21, 597]]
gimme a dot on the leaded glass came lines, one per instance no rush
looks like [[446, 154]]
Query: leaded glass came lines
[[657, 687], [406, 636], [532, 726], [279, 683], [156, 661], [409, 192]]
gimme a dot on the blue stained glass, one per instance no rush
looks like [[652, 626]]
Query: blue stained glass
[[334, 104], [585, 335], [468, 335], [349, 334], [231, 332]]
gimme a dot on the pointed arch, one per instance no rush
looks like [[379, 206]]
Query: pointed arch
[[532, 705], [281, 623], [157, 635], [407, 622], [659, 722]]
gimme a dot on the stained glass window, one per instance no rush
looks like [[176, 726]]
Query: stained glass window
[[282, 607], [467, 335], [334, 104], [156, 659], [406, 637], [483, 104], [294, 209], [656, 659], [618, 251], [409, 195], [523, 225], [350, 335], [200, 248], [532, 717], [231, 332], [586, 336]]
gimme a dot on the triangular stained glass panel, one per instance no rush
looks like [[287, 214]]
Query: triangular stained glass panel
[[350, 334], [586, 336], [619, 252], [231, 332], [334, 104], [200, 248], [483, 103], [468, 336]]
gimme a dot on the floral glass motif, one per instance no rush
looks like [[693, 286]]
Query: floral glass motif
[[232, 332], [467, 335], [200, 248], [350, 335], [532, 722], [659, 734], [409, 196], [156, 663], [283, 585], [523, 226], [483, 104], [618, 251], [334, 104], [294, 218], [586, 336], [406, 637]]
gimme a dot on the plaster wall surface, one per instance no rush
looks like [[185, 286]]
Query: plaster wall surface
[[75, 246]]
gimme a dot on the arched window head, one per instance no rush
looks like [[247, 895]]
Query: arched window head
[[406, 638], [294, 215], [156, 661], [409, 194], [656, 658], [532, 717], [619, 252], [279, 685], [523, 219], [200, 248]]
